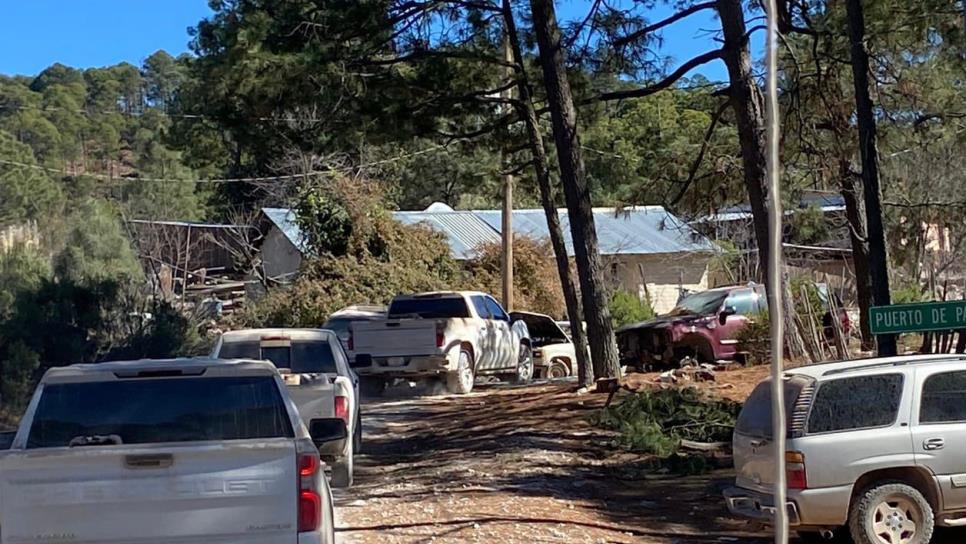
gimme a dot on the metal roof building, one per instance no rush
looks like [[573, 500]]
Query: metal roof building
[[639, 230]]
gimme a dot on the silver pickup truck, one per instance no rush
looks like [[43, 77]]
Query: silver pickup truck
[[318, 378], [187, 451]]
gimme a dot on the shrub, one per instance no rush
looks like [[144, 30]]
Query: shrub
[[655, 421], [627, 308], [536, 283], [754, 339]]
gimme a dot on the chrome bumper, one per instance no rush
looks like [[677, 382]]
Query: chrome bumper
[[759, 506]]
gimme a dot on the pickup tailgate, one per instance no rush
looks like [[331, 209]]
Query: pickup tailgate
[[203, 458], [231, 492], [395, 337]]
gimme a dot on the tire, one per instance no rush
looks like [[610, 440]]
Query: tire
[[342, 472], [524, 372], [558, 369], [372, 387], [891, 513], [461, 382]]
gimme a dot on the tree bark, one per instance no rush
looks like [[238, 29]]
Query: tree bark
[[878, 253], [527, 112], [748, 105], [860, 249], [563, 115]]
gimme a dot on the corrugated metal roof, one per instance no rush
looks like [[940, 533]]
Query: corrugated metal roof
[[640, 230], [464, 231]]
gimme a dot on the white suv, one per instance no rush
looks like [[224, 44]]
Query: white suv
[[875, 448]]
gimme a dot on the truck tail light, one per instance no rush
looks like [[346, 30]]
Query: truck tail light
[[795, 470], [440, 334], [310, 501], [342, 408]]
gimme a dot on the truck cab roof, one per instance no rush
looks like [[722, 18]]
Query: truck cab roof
[[156, 368]]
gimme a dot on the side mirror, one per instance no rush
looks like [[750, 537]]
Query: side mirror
[[325, 430], [723, 316]]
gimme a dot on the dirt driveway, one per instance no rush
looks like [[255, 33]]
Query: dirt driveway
[[519, 465]]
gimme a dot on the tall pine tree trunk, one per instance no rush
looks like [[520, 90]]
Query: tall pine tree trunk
[[749, 106], [860, 249], [878, 254], [525, 108], [576, 191]]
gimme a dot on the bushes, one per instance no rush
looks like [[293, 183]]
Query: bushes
[[627, 308], [655, 421], [536, 284], [754, 339]]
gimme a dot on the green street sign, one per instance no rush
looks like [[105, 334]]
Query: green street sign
[[925, 316]]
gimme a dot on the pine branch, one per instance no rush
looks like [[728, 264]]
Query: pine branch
[[638, 34]]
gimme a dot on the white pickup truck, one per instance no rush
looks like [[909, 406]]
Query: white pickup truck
[[318, 378], [187, 451], [453, 335]]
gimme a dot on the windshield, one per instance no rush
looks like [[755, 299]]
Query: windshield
[[160, 410], [301, 356], [704, 303], [429, 308]]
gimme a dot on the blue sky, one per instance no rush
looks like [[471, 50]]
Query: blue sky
[[85, 33]]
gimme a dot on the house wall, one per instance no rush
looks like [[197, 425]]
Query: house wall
[[280, 259], [659, 277]]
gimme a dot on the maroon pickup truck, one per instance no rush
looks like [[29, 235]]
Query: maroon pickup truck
[[703, 326]]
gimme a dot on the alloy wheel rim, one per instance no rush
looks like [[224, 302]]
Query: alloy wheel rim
[[526, 364], [895, 520], [466, 371]]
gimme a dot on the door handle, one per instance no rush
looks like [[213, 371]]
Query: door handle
[[933, 444]]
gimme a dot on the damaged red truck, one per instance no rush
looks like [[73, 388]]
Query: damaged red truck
[[703, 326]]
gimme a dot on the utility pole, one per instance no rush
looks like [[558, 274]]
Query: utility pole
[[507, 228], [865, 117]]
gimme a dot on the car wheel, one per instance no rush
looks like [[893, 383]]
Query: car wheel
[[558, 369], [372, 387], [891, 513], [461, 382], [524, 366], [342, 471]]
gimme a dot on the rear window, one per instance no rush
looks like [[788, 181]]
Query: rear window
[[755, 417], [160, 410], [862, 402], [430, 308], [301, 357]]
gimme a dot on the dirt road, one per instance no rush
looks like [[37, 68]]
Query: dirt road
[[519, 465]]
